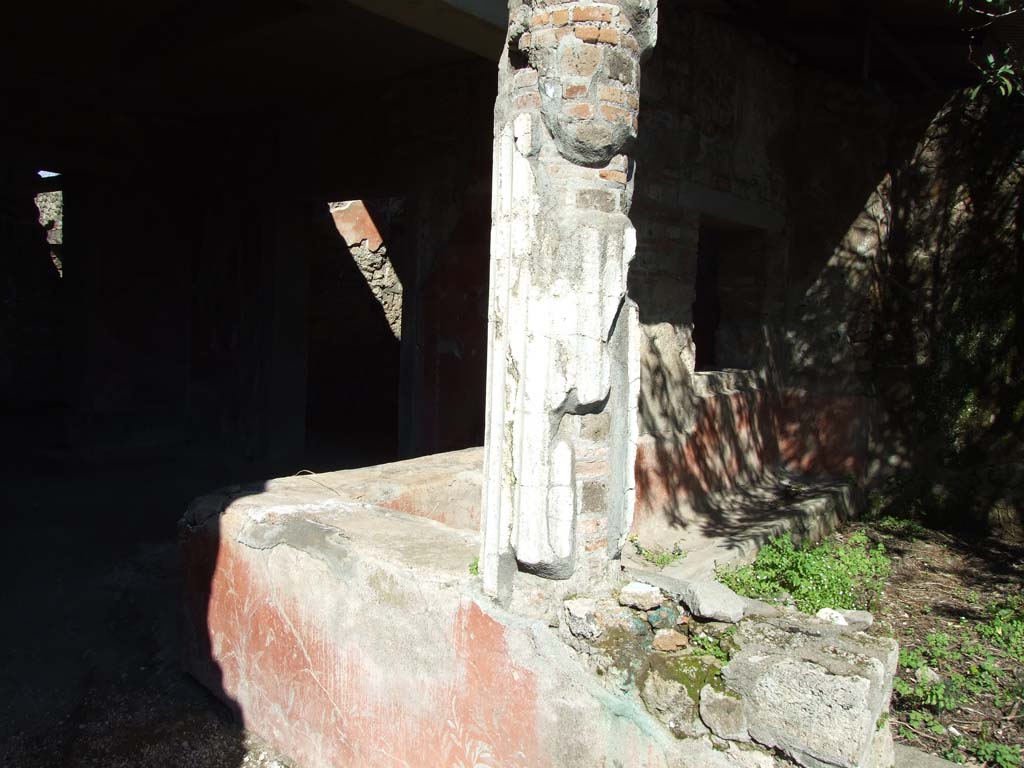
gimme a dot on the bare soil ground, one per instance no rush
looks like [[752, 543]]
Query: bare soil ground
[[957, 609], [89, 672]]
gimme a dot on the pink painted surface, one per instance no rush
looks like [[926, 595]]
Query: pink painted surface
[[355, 225], [825, 434], [732, 443], [462, 512], [266, 638], [316, 700], [444, 487], [737, 438]]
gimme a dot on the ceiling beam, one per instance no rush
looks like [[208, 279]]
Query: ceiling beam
[[471, 26]]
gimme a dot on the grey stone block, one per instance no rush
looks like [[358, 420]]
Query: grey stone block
[[724, 713], [636, 594], [813, 691], [669, 691], [711, 600]]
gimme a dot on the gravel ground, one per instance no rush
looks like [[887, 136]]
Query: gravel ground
[[89, 671]]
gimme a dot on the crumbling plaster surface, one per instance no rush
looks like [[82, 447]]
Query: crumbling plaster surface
[[353, 635], [563, 336], [346, 633]]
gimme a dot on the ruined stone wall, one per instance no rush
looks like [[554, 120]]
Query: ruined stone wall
[[918, 307], [720, 156], [51, 219], [714, 98], [738, 143], [353, 320]]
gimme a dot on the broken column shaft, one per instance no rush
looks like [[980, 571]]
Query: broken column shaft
[[563, 354]]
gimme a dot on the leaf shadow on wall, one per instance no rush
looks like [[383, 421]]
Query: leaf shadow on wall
[[874, 347]]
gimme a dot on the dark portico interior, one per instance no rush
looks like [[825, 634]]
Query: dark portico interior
[[207, 323]]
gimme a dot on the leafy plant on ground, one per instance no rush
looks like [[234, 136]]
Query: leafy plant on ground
[[991, 753], [474, 567], [986, 656], [704, 644], [902, 527], [1005, 627], [842, 575]]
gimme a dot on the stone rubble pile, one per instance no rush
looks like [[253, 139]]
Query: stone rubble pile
[[763, 685]]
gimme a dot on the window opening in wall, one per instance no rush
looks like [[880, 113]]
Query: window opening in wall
[[728, 309], [707, 305]]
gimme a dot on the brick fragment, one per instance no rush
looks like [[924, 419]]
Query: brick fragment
[[668, 640], [528, 101], [608, 35], [540, 20], [525, 78], [575, 91], [588, 34], [580, 60], [582, 111], [560, 18], [612, 94], [615, 114], [544, 38], [617, 176], [591, 13]]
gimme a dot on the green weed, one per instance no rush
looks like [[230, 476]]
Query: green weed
[[831, 575], [900, 526], [977, 660], [704, 644], [992, 753], [1005, 626], [660, 559]]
